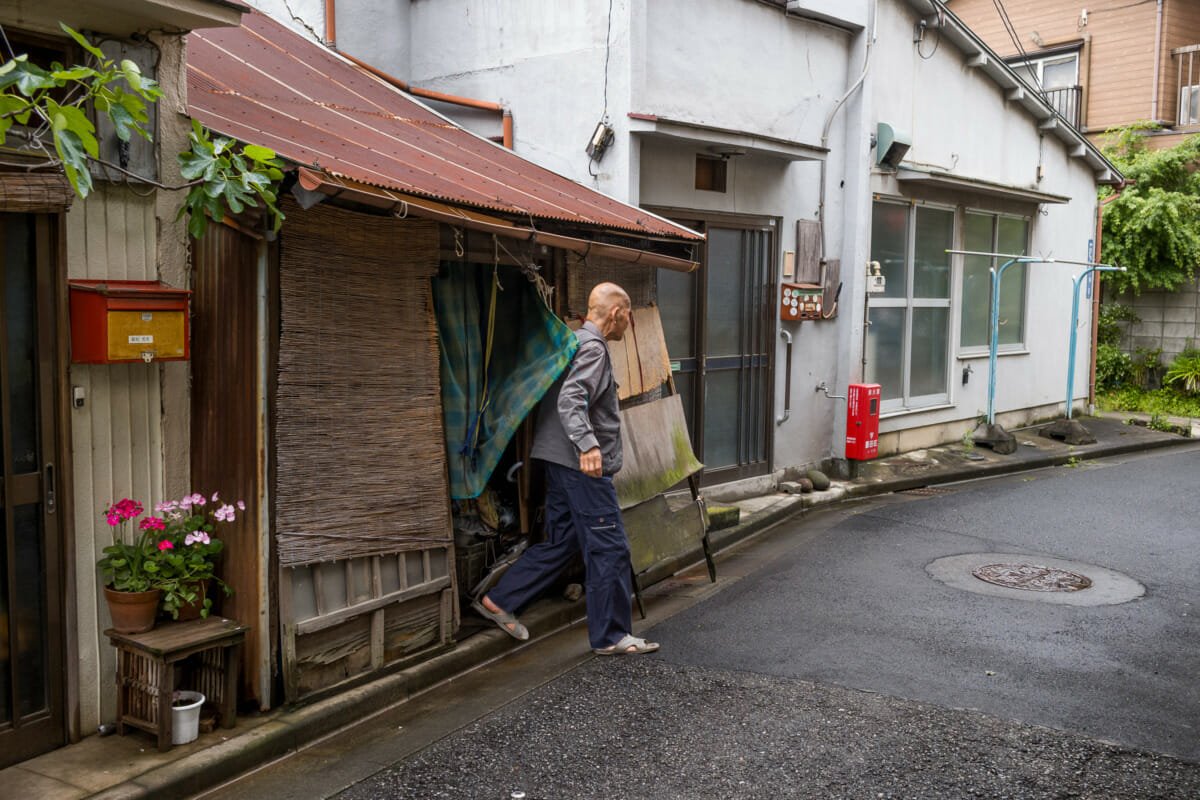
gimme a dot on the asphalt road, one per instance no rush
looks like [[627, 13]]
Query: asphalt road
[[832, 663]]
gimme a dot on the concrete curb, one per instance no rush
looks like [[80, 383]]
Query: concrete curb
[[978, 470]]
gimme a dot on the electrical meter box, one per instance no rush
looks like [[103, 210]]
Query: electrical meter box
[[120, 322], [862, 421], [800, 301]]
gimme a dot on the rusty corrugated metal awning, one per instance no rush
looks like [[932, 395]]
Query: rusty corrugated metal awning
[[407, 204], [263, 84]]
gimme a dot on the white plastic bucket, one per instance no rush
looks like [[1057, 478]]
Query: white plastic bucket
[[185, 717]]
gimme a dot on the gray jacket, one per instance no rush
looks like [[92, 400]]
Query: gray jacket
[[580, 411]]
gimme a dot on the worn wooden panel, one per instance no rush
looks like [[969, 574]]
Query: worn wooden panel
[[116, 438], [657, 533], [808, 251], [225, 445], [657, 451], [411, 627], [833, 276], [328, 657], [640, 360]]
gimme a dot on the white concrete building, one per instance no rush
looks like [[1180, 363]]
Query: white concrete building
[[756, 121]]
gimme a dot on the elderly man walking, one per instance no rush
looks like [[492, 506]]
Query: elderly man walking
[[578, 437]]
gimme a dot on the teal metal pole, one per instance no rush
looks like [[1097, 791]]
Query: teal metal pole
[[1074, 330], [995, 324]]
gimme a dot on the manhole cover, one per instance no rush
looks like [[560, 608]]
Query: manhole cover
[[1032, 577]]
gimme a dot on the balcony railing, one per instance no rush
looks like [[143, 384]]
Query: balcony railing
[[1066, 102], [1187, 84]]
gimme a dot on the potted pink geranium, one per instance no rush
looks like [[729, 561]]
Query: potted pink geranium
[[189, 526], [132, 567], [169, 563]]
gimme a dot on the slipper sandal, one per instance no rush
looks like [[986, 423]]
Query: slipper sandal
[[503, 619], [622, 648]]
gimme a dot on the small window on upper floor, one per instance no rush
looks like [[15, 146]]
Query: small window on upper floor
[[1056, 76], [1186, 62], [710, 173]]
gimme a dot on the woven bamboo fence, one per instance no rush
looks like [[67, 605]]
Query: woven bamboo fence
[[360, 453]]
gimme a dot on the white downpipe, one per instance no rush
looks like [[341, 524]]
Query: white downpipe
[[829, 124]]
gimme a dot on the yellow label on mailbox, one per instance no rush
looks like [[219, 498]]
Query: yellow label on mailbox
[[130, 334]]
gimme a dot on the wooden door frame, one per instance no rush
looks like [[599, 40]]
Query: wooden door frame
[[62, 702], [742, 222]]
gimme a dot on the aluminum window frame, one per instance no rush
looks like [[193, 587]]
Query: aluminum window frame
[[906, 401], [966, 351]]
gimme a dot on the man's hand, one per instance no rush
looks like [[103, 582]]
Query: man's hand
[[591, 463]]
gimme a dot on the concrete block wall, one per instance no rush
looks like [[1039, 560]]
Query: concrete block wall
[[1168, 320]]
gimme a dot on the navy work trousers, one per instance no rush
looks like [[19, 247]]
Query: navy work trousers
[[582, 516]]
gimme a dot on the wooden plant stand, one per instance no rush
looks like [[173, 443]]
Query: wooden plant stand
[[147, 671]]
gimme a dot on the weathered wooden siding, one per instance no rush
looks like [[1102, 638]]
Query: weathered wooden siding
[[1120, 70], [116, 438], [1181, 27], [225, 419]]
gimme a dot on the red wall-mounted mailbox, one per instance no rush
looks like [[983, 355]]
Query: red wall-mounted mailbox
[[121, 322], [862, 421]]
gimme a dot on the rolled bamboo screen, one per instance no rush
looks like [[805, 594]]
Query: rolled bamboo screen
[[359, 447]]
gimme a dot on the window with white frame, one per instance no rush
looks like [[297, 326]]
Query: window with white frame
[[908, 338], [1056, 75], [992, 233], [1051, 71]]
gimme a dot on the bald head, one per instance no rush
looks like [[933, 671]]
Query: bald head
[[608, 310]]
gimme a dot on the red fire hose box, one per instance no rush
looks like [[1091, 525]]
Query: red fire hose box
[[862, 421]]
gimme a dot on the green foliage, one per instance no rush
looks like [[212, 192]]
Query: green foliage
[[230, 179], [29, 93], [1158, 422], [1108, 324], [1114, 367], [133, 562], [51, 101], [1165, 402], [1184, 373], [1153, 228], [1146, 364]]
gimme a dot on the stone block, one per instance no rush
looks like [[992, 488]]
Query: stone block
[[1144, 330], [1150, 313], [1180, 299], [1184, 314], [721, 517], [1178, 330]]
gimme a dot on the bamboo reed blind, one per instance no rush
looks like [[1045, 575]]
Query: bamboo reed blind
[[33, 192], [583, 274], [359, 447]]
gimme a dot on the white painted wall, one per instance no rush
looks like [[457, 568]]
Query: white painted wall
[[960, 121], [116, 438]]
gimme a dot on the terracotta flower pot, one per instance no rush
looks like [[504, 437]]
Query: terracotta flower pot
[[132, 612]]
